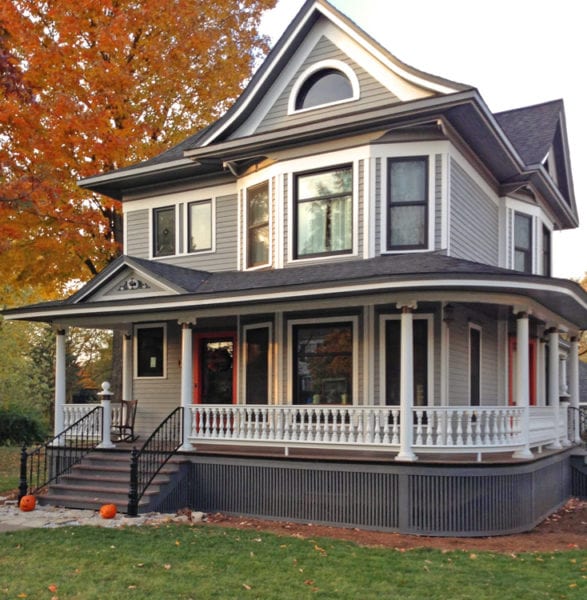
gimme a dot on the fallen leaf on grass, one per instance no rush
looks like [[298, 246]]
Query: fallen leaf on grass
[[167, 567], [309, 582], [247, 586], [472, 556], [52, 588]]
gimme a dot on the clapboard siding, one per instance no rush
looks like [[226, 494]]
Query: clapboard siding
[[158, 397], [474, 219], [372, 92], [137, 233]]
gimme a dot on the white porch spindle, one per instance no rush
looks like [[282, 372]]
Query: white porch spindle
[[406, 386], [59, 380], [574, 387], [127, 367], [554, 384], [187, 382], [522, 390]]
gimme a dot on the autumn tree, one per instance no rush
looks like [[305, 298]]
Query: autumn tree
[[91, 86]]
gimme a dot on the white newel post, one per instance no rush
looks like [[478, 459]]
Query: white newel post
[[127, 367], [406, 384], [522, 391], [106, 396], [187, 382], [60, 379], [554, 383], [574, 387]]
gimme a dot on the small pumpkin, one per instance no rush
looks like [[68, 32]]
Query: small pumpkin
[[108, 511], [27, 503]]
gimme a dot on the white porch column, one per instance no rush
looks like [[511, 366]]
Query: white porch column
[[574, 387], [187, 381], [60, 379], [554, 383], [127, 366], [106, 396], [522, 390], [406, 384]]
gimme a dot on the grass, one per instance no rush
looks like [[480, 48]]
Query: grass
[[206, 562], [9, 468]]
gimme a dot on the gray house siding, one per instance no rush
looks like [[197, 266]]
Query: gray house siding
[[372, 92], [474, 219], [157, 397], [137, 233]]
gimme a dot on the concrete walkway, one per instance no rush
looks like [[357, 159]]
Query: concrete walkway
[[49, 517]]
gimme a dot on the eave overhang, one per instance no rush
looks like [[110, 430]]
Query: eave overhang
[[557, 301]]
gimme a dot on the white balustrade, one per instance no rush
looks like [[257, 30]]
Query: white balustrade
[[74, 412], [452, 429]]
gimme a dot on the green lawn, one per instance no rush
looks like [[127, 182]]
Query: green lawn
[[207, 562], [9, 467]]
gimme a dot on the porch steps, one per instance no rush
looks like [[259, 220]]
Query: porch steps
[[103, 478]]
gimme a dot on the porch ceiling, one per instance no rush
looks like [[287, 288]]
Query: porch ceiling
[[384, 279]]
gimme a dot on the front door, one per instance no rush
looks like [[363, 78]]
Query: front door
[[214, 372]]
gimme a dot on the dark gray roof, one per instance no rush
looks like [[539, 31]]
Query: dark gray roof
[[532, 129]]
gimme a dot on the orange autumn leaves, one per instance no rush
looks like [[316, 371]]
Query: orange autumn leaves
[[97, 85]]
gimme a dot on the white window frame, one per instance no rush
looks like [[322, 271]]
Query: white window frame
[[430, 207], [136, 328], [319, 321], [245, 225], [246, 328], [429, 318], [320, 66]]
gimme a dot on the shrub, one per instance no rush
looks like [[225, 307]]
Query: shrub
[[20, 428]]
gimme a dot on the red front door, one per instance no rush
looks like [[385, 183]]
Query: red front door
[[215, 368]]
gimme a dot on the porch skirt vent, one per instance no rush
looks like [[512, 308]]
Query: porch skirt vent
[[419, 499]]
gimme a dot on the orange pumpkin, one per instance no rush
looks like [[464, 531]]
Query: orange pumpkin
[[108, 511], [27, 503]]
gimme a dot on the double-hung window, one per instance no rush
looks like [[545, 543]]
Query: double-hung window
[[200, 226], [407, 210], [522, 242], [258, 225], [324, 212], [150, 343], [546, 251], [164, 231]]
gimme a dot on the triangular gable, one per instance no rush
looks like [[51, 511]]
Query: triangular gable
[[130, 278], [316, 22]]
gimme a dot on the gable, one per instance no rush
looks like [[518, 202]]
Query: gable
[[129, 284]]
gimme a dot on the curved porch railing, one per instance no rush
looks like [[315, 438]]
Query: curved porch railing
[[435, 429]]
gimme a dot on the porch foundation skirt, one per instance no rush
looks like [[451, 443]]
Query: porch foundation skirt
[[438, 500]]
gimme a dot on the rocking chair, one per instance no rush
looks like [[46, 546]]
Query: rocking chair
[[123, 424]]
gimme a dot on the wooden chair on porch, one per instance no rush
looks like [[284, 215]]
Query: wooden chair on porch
[[123, 422]]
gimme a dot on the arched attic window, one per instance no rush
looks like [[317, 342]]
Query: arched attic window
[[323, 84]]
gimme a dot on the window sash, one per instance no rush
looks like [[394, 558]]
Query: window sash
[[324, 215], [150, 351], [407, 196], [200, 226], [164, 231], [523, 243], [258, 225]]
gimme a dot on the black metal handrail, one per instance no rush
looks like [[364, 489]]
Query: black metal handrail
[[145, 463], [47, 462]]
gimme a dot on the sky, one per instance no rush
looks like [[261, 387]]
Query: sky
[[515, 52]]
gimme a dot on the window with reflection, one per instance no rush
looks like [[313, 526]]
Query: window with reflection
[[324, 87], [523, 242], [407, 212], [324, 214], [150, 351], [164, 231], [200, 226], [258, 225], [323, 363]]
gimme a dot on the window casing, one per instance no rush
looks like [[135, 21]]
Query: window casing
[[164, 231], [258, 232], [522, 242], [407, 203], [474, 365], [200, 226], [150, 350], [323, 355], [257, 363], [324, 212]]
